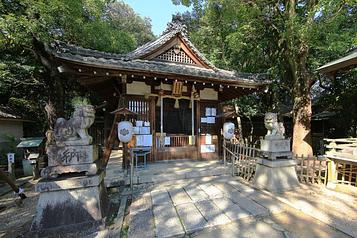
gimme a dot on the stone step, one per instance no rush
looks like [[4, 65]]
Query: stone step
[[211, 190], [179, 196], [237, 197], [167, 222], [141, 224], [212, 213], [191, 218], [162, 177], [195, 193], [231, 210], [160, 197]]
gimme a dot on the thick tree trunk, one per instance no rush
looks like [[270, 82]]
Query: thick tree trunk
[[302, 125]]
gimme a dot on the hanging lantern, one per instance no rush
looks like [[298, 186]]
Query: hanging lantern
[[190, 104], [177, 105], [228, 130], [125, 131]]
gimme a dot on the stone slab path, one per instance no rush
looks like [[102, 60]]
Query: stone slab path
[[222, 206], [185, 207], [161, 171]]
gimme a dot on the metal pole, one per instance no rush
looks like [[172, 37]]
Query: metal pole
[[224, 152], [131, 171], [193, 119]]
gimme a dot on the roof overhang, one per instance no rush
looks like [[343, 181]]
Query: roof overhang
[[344, 63]]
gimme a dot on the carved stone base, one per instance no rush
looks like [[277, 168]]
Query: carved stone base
[[275, 145], [276, 175], [70, 155], [55, 171], [277, 155], [70, 204]]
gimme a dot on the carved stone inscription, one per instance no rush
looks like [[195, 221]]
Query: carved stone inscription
[[71, 155], [275, 145]]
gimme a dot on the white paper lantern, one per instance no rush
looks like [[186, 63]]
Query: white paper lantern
[[228, 130], [125, 131]]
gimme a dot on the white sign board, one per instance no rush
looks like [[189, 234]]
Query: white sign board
[[11, 158], [211, 120], [144, 140], [208, 148]]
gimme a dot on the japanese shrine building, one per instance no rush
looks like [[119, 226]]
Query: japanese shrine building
[[175, 90]]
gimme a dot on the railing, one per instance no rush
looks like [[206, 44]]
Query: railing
[[242, 158], [344, 148], [173, 141], [342, 156], [243, 161], [311, 170]]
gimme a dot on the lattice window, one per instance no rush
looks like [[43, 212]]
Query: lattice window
[[181, 57]]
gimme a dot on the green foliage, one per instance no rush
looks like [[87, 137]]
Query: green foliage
[[122, 16], [80, 101], [24, 83], [287, 39], [8, 146]]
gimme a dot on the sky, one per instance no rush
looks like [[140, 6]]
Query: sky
[[159, 11]]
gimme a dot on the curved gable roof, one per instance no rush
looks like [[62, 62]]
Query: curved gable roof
[[175, 29]]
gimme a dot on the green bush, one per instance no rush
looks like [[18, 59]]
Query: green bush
[[8, 146]]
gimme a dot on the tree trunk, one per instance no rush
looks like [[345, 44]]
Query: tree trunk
[[302, 125], [239, 123]]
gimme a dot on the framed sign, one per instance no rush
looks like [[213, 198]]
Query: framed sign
[[11, 158]]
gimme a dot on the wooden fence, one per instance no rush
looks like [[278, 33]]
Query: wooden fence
[[173, 141], [342, 154], [311, 170], [242, 158], [337, 168]]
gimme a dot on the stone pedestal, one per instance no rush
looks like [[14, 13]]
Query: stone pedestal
[[275, 170], [276, 175], [72, 192], [275, 145], [70, 204], [71, 154], [71, 159]]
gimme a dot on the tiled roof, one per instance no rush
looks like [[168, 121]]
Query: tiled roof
[[133, 61], [8, 115], [165, 67], [347, 61]]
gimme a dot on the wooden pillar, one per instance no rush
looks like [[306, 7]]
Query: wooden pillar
[[198, 128], [161, 121], [152, 119]]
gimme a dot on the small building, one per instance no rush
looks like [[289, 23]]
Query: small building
[[10, 125], [174, 89]]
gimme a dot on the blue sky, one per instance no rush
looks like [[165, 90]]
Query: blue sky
[[159, 11]]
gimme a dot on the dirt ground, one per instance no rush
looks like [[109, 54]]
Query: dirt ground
[[16, 218], [301, 225]]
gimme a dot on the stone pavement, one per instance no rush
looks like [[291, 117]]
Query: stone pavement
[[185, 207], [161, 171], [222, 206]]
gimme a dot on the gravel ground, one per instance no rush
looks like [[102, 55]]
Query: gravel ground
[[16, 218]]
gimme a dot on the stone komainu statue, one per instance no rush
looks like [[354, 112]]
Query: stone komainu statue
[[75, 130], [275, 129]]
